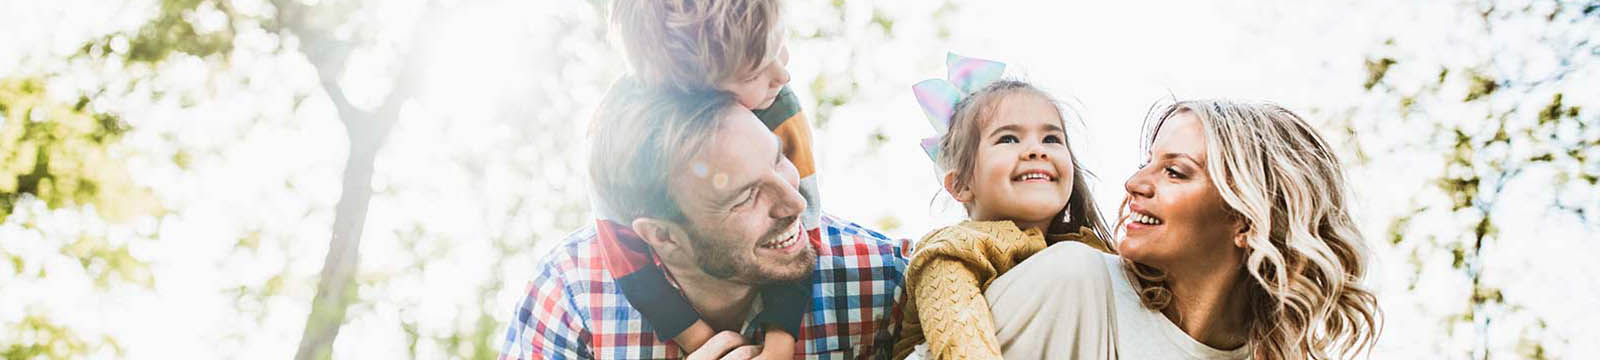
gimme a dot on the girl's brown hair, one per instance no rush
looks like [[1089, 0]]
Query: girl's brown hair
[[958, 151]]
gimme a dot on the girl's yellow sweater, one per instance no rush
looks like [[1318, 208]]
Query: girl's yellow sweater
[[948, 274]]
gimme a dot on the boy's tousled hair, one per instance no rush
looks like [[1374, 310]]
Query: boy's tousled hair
[[958, 151], [641, 136], [693, 44]]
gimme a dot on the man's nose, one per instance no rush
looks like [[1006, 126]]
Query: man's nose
[[788, 202]]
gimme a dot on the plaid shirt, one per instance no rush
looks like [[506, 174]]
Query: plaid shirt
[[575, 310]]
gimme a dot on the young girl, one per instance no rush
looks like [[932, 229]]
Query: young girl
[[1006, 159]]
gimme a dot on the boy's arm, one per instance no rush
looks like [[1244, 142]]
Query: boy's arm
[[789, 123]]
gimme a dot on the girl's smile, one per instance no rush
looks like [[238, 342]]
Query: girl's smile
[[1020, 159]]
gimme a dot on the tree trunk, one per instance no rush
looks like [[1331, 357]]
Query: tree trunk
[[337, 287], [366, 131]]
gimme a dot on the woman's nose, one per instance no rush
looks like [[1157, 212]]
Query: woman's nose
[[1137, 185]]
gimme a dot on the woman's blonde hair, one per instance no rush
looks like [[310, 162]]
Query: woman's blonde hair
[[958, 151], [1304, 252], [697, 44]]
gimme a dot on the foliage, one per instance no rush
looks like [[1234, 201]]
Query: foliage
[[1504, 123]]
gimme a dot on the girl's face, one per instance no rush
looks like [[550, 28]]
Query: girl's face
[[1023, 170], [1174, 210]]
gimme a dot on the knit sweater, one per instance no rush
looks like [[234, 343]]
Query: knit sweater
[[947, 276]]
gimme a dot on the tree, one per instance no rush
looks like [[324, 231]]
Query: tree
[[60, 156], [1507, 108], [365, 130]]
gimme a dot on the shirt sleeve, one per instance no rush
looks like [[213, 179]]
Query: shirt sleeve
[[546, 323]]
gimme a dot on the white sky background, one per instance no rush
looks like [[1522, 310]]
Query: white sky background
[[1114, 58]]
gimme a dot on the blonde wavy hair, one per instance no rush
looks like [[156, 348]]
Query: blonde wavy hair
[[697, 44], [1303, 251]]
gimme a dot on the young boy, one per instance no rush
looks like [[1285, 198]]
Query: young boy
[[733, 45], [736, 46]]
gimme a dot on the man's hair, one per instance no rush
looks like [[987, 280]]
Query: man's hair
[[693, 44], [640, 137]]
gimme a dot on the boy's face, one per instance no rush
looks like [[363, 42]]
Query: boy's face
[[757, 90]]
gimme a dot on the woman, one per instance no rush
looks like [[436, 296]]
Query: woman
[[1236, 244]]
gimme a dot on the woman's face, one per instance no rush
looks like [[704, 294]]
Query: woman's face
[[1175, 213]]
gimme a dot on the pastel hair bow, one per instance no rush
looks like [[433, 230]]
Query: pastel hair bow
[[939, 97]]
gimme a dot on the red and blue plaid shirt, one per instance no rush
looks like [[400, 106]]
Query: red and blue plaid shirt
[[576, 310]]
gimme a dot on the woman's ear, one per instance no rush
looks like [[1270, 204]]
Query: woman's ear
[[1241, 238], [664, 236], [962, 194]]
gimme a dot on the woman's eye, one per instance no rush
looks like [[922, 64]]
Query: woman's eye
[[1052, 139], [1008, 139], [1173, 173]]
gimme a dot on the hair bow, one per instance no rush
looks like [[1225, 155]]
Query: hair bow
[[939, 97]]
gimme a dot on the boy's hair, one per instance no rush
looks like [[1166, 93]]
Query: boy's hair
[[958, 151], [693, 44], [640, 137]]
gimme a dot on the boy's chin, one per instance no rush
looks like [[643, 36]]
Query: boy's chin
[[764, 104]]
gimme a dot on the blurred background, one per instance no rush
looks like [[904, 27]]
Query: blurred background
[[376, 179]]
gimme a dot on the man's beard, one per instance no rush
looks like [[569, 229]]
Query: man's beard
[[721, 257]]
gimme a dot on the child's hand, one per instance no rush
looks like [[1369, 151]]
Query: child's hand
[[778, 345], [724, 345]]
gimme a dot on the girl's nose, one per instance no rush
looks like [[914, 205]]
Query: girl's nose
[[1035, 153]]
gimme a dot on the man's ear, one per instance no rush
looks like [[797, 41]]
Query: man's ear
[[963, 194], [663, 236]]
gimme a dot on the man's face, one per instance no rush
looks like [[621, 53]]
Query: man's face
[[742, 202]]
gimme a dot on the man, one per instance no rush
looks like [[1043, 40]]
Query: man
[[702, 250]]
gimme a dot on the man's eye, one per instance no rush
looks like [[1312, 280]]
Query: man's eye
[[1007, 139], [1052, 139], [749, 199]]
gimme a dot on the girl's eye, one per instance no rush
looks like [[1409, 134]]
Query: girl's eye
[[1052, 139], [1008, 139]]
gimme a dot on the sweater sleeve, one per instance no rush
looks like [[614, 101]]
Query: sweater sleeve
[[956, 321], [947, 277]]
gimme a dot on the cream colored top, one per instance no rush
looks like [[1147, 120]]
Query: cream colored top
[[1147, 334], [946, 280]]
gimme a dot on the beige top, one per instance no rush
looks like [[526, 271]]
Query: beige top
[[946, 280], [1143, 333]]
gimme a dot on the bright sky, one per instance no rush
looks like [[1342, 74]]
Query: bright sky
[[449, 176]]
